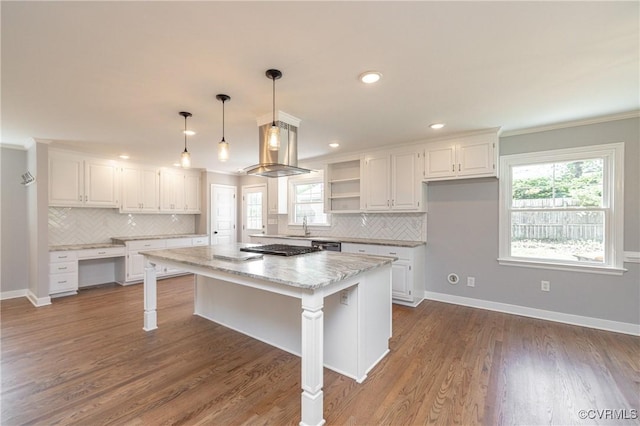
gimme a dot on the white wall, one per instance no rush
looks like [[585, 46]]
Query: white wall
[[463, 238], [14, 253]]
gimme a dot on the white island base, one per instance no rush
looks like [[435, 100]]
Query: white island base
[[344, 325]]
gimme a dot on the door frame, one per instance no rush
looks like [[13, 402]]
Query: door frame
[[211, 209]]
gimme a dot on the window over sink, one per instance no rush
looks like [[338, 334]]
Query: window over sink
[[306, 200]]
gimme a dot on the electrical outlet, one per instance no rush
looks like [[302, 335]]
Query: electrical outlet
[[471, 281], [344, 297], [545, 285]]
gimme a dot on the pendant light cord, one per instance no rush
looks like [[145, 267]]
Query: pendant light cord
[[185, 133], [223, 121], [274, 101]]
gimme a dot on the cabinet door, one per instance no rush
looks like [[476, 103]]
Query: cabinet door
[[101, 183], [439, 161], [135, 266], [476, 157], [131, 190], [66, 180], [402, 280], [192, 193], [149, 190], [377, 182], [405, 181], [169, 187]]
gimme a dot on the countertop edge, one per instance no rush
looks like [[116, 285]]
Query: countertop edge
[[353, 240]]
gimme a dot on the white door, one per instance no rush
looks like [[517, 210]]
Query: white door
[[377, 183], [405, 179], [223, 214], [254, 210]]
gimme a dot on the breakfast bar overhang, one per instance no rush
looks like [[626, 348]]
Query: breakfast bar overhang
[[332, 309]]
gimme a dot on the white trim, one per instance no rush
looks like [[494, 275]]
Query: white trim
[[13, 294], [587, 268], [632, 256], [574, 123], [37, 302], [579, 320]]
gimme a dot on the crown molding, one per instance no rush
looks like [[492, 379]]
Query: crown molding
[[574, 123]]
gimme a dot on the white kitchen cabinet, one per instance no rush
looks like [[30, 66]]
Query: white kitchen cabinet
[[79, 181], [342, 181], [140, 189], [63, 273], [407, 272], [179, 191], [393, 181], [277, 191], [466, 157]]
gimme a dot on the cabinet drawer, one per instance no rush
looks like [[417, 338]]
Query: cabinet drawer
[[62, 256], [179, 242], [146, 244], [200, 241], [63, 267], [399, 252], [360, 248], [63, 282], [102, 252]]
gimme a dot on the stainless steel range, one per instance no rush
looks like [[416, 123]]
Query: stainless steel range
[[280, 249]]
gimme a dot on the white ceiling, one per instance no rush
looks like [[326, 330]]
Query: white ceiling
[[111, 77]]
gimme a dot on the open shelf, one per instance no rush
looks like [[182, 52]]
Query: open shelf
[[353, 195], [343, 186]]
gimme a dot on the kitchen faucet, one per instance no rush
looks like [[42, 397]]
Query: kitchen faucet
[[305, 227]]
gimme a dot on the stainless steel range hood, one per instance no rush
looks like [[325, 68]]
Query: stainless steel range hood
[[283, 162]]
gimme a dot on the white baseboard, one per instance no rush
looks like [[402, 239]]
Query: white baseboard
[[601, 324], [13, 294], [37, 302]]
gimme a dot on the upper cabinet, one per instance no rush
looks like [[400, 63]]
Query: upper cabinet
[[277, 195], [465, 157], [79, 181], [140, 189], [179, 191], [393, 181], [343, 187]]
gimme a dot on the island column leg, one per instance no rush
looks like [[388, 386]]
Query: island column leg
[[312, 360], [150, 297]]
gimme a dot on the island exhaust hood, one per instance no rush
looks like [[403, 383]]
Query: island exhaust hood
[[283, 161]]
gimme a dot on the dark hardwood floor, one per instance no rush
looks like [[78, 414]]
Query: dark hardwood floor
[[86, 360]]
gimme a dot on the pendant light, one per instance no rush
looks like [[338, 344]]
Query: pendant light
[[274, 131], [223, 146], [185, 158]]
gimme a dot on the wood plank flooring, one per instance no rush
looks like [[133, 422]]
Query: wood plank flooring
[[85, 360]]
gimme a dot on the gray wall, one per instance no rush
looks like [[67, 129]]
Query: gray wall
[[462, 237], [14, 261]]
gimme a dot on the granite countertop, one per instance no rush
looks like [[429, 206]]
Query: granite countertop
[[67, 247], [122, 240], [373, 241], [310, 271]]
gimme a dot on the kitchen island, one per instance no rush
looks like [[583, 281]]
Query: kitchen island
[[332, 309]]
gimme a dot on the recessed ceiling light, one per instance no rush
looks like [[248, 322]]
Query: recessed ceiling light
[[334, 144], [124, 156], [177, 165], [436, 126], [189, 132], [369, 77]]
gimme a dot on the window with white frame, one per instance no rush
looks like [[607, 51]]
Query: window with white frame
[[306, 200], [563, 209]]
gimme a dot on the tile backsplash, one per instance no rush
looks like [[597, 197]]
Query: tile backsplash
[[386, 226], [87, 225]]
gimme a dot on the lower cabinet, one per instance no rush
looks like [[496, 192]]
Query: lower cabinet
[[407, 273], [63, 273], [133, 270]]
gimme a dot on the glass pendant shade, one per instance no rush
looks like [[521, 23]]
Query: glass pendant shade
[[274, 137], [223, 150], [185, 159]]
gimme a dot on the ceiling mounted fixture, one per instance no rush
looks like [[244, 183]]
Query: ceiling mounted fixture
[[124, 156], [223, 146], [185, 158], [277, 158], [369, 77], [436, 126], [274, 131], [334, 144]]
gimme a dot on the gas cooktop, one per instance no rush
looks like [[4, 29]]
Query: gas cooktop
[[280, 249]]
